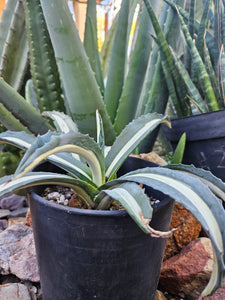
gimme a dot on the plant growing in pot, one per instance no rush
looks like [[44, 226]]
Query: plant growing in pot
[[196, 85], [97, 252]]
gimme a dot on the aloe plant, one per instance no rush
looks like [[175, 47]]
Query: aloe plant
[[67, 76], [97, 185]]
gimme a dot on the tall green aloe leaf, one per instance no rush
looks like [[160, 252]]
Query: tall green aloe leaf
[[91, 43], [44, 71], [75, 70], [21, 110], [106, 49], [116, 71], [129, 139], [136, 74], [6, 19], [197, 198], [14, 55]]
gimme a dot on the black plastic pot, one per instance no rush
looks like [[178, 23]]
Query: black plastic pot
[[87, 254], [205, 147]]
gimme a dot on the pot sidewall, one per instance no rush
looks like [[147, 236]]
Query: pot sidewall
[[205, 140]]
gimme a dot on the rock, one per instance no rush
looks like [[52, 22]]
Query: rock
[[188, 272], [152, 156], [159, 295], [4, 213], [17, 253], [188, 229], [13, 221], [20, 212], [3, 224], [14, 291], [12, 201], [218, 295]]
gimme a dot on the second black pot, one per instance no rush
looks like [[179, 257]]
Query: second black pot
[[86, 254], [205, 146]]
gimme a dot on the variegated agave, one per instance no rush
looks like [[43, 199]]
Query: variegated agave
[[92, 174]]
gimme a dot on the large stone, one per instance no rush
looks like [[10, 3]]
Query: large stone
[[19, 212], [4, 213], [188, 230], [14, 291], [17, 253], [3, 224], [187, 273], [13, 221], [12, 201]]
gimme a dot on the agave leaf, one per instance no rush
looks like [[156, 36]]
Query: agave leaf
[[215, 184], [135, 201], [63, 123], [19, 139], [72, 165], [197, 198], [179, 151], [72, 142], [100, 132], [64, 160], [129, 139], [84, 190]]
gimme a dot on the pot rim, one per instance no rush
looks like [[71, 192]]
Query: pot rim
[[199, 127]]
